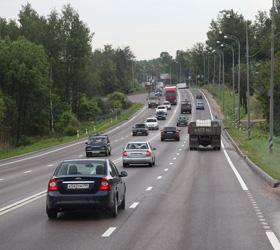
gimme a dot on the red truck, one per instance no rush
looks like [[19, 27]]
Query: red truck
[[170, 94]]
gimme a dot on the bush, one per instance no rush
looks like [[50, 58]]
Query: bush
[[68, 124]]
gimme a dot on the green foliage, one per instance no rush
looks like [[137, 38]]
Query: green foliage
[[88, 109], [116, 100], [68, 124]]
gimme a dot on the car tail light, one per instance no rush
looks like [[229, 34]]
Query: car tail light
[[52, 185], [125, 153], [148, 153], [105, 185], [162, 132], [177, 132]]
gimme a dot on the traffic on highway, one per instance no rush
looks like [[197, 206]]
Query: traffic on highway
[[161, 188]]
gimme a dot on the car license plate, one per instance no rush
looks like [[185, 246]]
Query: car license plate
[[78, 186], [169, 132]]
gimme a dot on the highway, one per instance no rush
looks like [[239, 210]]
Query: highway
[[190, 200]]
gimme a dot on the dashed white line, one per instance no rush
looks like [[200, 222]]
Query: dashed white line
[[50, 165], [159, 177], [1, 179], [166, 169], [149, 188], [180, 149], [183, 145], [28, 171], [174, 158], [178, 154], [134, 205], [171, 163], [273, 240], [109, 231]]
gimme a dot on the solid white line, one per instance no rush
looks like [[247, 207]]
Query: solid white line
[[273, 240], [28, 171], [159, 177], [22, 202], [166, 169], [212, 117], [149, 188], [1, 179], [238, 176], [109, 231], [134, 205]]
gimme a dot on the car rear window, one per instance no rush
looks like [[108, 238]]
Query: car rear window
[[137, 146], [96, 140], [151, 120], [166, 103], [161, 107], [81, 168], [169, 129], [140, 125]]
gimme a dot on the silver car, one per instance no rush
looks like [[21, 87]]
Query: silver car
[[138, 153]]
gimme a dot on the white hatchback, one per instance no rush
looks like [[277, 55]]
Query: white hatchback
[[167, 104], [161, 108], [152, 123]]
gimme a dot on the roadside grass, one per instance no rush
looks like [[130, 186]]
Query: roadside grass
[[256, 148], [92, 128]]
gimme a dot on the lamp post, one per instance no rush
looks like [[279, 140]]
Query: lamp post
[[271, 90], [248, 84], [223, 73], [234, 38]]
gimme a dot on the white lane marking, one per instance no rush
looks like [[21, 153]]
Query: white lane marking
[[1, 179], [134, 205], [159, 177], [178, 154], [166, 169], [174, 158], [28, 171], [109, 231], [71, 145], [22, 202], [210, 109], [171, 163], [273, 240], [122, 138], [81, 156], [183, 145], [180, 149], [238, 176], [149, 188], [50, 165]]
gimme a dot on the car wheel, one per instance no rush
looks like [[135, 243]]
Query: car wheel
[[88, 154], [162, 139], [110, 152], [150, 164], [114, 209], [52, 213], [125, 165], [122, 206], [178, 139]]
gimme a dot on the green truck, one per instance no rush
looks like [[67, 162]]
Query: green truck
[[186, 107], [204, 133]]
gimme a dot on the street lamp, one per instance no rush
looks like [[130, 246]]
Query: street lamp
[[271, 90], [234, 38], [223, 73]]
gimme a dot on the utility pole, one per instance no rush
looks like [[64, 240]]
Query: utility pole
[[214, 68], [271, 90], [248, 83]]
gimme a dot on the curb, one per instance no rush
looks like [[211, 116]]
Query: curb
[[267, 178]]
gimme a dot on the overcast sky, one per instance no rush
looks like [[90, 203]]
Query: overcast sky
[[147, 26]]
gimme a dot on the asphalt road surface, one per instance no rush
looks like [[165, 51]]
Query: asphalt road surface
[[190, 200]]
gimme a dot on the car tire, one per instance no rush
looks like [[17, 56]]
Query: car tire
[[122, 206], [88, 154], [162, 139], [178, 139], [125, 165], [150, 164], [110, 152], [114, 209], [52, 213]]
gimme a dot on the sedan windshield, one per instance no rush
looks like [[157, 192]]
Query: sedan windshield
[[81, 168]]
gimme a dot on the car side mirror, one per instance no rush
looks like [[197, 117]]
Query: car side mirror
[[123, 174]]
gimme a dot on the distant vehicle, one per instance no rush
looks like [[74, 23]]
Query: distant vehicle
[[182, 85], [158, 92], [86, 183], [98, 144], [182, 121], [162, 108], [170, 94], [153, 100], [167, 104], [186, 107], [152, 123], [204, 133], [200, 105], [161, 115], [140, 129], [170, 133], [138, 153], [199, 96], [160, 85]]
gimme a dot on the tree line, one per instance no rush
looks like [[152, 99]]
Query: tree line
[[200, 64], [51, 79]]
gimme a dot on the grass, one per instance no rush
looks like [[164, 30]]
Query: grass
[[92, 128], [256, 148]]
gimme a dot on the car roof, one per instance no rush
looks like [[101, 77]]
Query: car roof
[[151, 118], [85, 159], [137, 142]]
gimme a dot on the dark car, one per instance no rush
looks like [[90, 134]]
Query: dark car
[[98, 144], [198, 96], [161, 115], [200, 105], [86, 184], [182, 121], [170, 133], [140, 129]]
